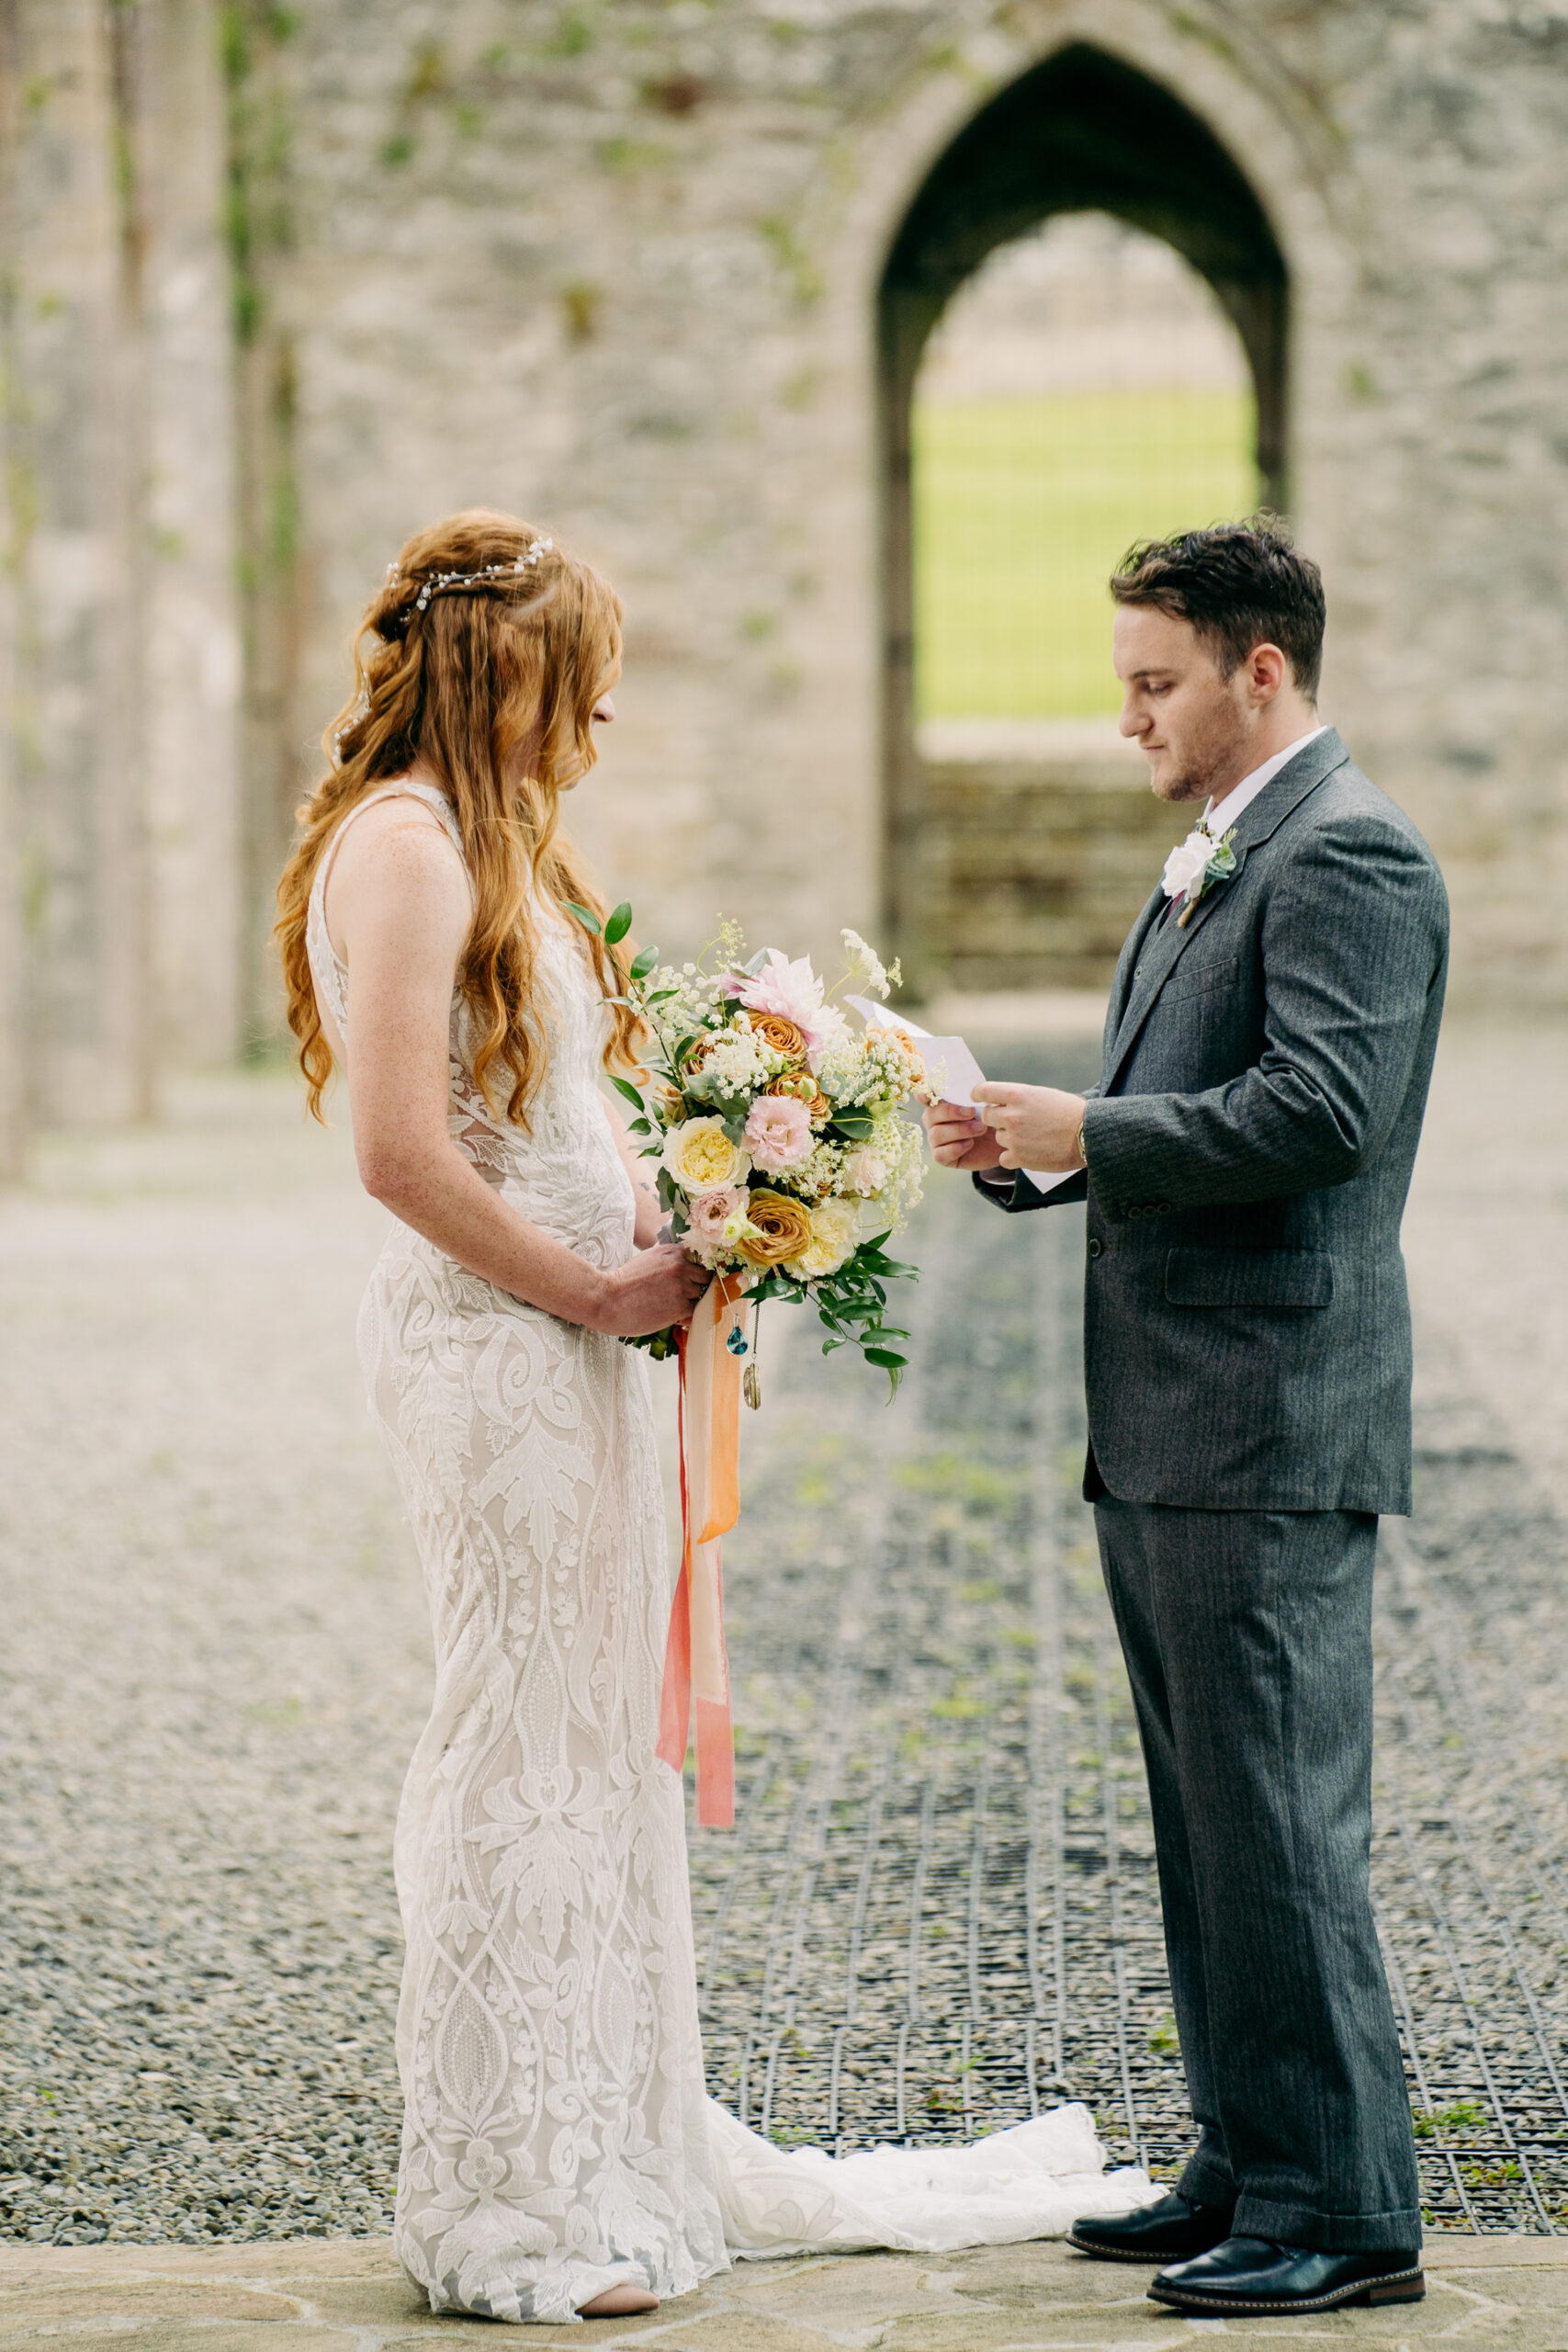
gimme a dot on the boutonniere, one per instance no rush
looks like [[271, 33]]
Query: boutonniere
[[1195, 864]]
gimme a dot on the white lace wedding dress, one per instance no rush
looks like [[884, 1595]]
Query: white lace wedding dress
[[556, 2137]]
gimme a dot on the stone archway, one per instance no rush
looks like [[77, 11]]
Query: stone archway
[[1080, 132]]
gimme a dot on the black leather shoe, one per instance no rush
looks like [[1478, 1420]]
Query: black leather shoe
[[1254, 2274], [1168, 2232]]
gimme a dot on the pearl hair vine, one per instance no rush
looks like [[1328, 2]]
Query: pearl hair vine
[[440, 581]]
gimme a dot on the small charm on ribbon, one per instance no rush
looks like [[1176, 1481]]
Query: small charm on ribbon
[[736, 1342], [751, 1388]]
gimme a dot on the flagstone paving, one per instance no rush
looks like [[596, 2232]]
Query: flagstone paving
[[1499, 2294], [937, 1910]]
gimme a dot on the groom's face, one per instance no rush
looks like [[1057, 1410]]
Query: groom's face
[[1189, 720]]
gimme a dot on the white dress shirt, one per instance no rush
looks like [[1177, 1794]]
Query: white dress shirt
[[1219, 816]]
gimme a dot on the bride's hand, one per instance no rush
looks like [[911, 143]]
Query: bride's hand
[[655, 1288]]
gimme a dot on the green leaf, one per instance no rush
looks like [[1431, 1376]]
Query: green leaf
[[618, 924], [660, 996], [887, 1359], [624, 1086], [643, 963], [589, 923], [639, 1127]]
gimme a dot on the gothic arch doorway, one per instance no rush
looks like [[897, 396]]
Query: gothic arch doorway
[[1081, 132]]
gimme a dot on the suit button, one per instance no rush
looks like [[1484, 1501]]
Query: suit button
[[1095, 1248]]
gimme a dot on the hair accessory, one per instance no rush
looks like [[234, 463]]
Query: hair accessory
[[440, 579], [361, 711]]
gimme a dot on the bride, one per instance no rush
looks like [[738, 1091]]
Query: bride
[[559, 2156]]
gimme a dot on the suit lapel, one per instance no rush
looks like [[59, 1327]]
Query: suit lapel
[[1122, 986], [1158, 954]]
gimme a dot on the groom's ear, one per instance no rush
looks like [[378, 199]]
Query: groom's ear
[[1266, 669]]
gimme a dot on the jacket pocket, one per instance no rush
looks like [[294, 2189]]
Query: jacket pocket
[[1195, 976], [1248, 1277]]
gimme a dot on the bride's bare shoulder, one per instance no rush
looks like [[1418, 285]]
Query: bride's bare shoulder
[[396, 855]]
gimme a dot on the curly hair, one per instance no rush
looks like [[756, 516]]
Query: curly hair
[[459, 674], [1240, 584]]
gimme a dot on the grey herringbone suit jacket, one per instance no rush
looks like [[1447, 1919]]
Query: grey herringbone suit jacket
[[1246, 1329]]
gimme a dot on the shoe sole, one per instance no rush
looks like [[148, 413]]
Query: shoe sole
[[1126, 2254], [1399, 2287]]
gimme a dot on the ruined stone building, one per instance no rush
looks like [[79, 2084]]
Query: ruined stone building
[[282, 282]]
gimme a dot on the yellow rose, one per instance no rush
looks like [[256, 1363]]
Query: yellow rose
[[835, 1234], [701, 1157], [783, 1229]]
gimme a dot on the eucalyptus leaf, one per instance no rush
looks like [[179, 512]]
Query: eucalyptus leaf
[[588, 922], [624, 1086], [618, 924], [643, 963]]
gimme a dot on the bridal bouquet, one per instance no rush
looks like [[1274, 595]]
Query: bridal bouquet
[[784, 1167], [782, 1158]]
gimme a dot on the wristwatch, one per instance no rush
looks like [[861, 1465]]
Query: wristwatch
[[1078, 1148]]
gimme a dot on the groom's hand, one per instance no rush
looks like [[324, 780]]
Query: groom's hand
[[1034, 1126], [959, 1138]]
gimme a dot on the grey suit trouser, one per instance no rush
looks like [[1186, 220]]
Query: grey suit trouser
[[1247, 1638]]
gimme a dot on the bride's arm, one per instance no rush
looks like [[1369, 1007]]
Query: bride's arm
[[650, 1216], [400, 907]]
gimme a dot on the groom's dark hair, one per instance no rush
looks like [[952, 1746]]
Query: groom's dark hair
[[1240, 584]]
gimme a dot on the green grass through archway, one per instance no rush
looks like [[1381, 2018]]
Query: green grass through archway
[[1022, 506]]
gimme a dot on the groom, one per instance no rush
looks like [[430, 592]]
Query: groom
[[1245, 1157]]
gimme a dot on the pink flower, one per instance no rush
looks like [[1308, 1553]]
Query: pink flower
[[778, 1133], [793, 991], [708, 1212], [865, 1171]]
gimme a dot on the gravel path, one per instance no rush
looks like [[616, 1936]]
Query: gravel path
[[940, 1904]]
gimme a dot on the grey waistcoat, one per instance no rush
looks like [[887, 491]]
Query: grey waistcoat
[[1247, 1327]]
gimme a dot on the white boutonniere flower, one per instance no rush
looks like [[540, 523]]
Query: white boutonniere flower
[[1195, 864]]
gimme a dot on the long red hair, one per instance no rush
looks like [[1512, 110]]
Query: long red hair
[[459, 681]]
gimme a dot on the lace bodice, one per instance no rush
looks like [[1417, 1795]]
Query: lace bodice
[[563, 1171]]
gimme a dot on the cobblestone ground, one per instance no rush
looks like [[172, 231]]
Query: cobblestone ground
[[938, 1908]]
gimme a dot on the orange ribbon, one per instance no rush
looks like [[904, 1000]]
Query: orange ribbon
[[695, 1662]]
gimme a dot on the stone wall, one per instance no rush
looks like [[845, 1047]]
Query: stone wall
[[616, 267], [1039, 844], [118, 644]]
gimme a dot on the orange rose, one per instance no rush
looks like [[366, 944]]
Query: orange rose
[[781, 1035], [804, 1086], [783, 1229]]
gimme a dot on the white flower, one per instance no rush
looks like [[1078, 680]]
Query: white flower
[[866, 1171], [1187, 863], [701, 1157], [835, 1235], [866, 961]]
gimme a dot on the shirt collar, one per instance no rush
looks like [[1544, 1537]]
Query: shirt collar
[[1242, 795]]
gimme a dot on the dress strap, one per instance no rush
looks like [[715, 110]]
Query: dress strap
[[432, 798]]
